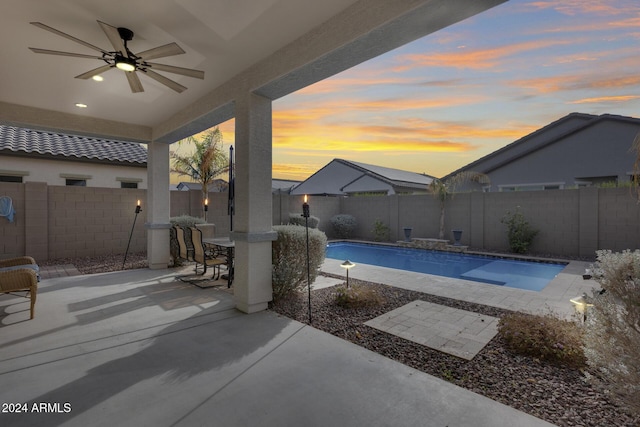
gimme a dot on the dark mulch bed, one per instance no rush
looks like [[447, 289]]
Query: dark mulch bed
[[556, 394]]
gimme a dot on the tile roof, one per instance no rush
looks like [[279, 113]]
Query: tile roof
[[20, 140]]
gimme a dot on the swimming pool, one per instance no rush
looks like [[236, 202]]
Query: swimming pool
[[533, 276]]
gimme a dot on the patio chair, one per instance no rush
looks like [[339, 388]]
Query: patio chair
[[20, 275], [183, 252], [203, 257]]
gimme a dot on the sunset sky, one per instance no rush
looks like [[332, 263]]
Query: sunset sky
[[447, 99]]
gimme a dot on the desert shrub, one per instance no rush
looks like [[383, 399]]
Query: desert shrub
[[184, 221], [545, 337], [289, 258], [298, 219], [357, 295], [519, 231], [380, 231], [344, 225], [612, 336]]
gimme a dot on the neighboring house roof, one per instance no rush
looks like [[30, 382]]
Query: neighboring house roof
[[342, 177], [543, 137], [217, 186], [283, 185], [26, 142]]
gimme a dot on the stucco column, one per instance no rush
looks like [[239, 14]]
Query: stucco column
[[157, 205], [253, 204]]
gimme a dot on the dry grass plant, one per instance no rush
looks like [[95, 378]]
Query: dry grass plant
[[545, 337]]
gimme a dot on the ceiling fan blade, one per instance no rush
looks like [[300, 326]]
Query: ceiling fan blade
[[134, 82], [94, 72], [67, 36], [114, 37], [177, 70], [170, 49], [165, 81], [57, 52]]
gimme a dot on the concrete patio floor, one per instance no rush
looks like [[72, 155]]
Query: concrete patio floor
[[139, 348]]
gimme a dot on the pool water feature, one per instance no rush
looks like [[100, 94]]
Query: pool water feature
[[533, 276]]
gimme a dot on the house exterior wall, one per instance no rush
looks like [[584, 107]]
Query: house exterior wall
[[580, 150], [600, 150], [59, 222], [46, 170]]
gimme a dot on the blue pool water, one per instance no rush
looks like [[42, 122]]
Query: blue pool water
[[533, 276]]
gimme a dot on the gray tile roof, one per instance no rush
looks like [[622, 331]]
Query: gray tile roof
[[54, 145]]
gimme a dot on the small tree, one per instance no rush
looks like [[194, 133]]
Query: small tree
[[443, 190], [205, 163], [612, 336]]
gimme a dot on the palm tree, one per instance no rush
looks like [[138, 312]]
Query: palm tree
[[205, 163], [443, 190]]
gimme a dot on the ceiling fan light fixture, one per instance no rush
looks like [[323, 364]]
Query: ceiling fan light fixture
[[125, 64]]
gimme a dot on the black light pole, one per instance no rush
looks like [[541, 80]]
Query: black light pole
[[305, 214], [138, 210]]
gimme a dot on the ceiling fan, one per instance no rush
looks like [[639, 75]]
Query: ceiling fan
[[122, 58]]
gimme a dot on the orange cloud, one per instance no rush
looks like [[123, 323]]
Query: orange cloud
[[620, 98], [579, 7], [573, 82], [473, 58]]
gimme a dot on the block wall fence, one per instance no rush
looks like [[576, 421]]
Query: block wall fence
[[55, 222]]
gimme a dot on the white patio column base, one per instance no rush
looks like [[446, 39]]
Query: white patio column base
[[157, 244], [252, 282]]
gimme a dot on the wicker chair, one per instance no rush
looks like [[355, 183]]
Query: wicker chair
[[14, 278]]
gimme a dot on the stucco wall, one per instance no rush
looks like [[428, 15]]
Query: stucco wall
[[102, 175]]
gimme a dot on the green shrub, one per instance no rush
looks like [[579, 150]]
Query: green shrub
[[380, 231], [519, 231], [357, 295], [545, 337], [344, 225], [298, 219], [289, 258]]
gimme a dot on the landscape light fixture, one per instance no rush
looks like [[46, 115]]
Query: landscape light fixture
[[347, 265], [581, 305], [206, 208]]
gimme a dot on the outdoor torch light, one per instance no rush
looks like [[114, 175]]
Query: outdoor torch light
[[305, 214], [138, 208], [206, 204], [305, 208], [347, 265]]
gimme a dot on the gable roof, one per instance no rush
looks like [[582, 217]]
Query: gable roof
[[341, 177], [27, 142], [543, 137]]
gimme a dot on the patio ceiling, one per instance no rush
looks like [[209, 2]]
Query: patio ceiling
[[270, 47]]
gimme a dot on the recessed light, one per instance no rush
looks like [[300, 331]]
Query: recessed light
[[98, 78], [81, 105]]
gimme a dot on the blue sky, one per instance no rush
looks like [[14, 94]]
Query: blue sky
[[449, 98]]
